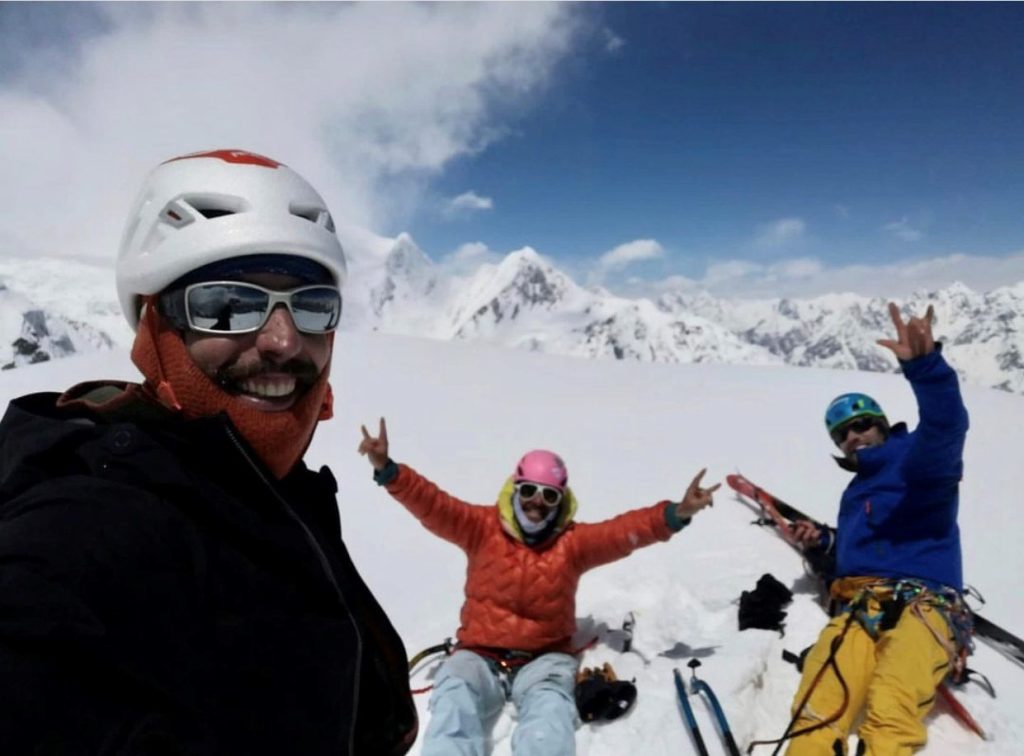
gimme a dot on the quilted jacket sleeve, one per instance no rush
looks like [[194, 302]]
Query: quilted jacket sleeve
[[603, 542], [441, 513]]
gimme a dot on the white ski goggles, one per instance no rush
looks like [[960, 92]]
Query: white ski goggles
[[550, 496]]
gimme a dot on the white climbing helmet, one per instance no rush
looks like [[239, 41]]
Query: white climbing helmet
[[209, 206]]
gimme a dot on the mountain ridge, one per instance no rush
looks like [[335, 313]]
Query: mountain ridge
[[522, 300]]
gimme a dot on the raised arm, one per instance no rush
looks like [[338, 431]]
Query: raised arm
[[937, 452], [441, 513], [604, 542]]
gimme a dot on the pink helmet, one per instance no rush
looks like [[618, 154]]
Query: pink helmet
[[540, 466]]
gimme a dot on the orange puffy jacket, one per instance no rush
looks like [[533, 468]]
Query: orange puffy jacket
[[521, 597]]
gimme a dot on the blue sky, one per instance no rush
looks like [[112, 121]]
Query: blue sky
[[877, 130], [744, 148]]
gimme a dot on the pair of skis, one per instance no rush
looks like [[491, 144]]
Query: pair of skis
[[699, 686], [781, 515]]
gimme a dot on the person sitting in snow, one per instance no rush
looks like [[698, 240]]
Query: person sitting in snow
[[897, 583], [526, 555]]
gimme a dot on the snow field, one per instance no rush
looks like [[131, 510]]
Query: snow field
[[633, 434]]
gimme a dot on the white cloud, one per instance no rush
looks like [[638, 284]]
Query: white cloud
[[468, 257], [612, 41], [637, 287], [467, 202], [622, 257], [471, 252], [629, 253], [903, 229], [368, 101], [780, 232], [729, 271], [807, 277]]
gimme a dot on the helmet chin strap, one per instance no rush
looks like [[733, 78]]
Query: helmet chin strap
[[164, 390]]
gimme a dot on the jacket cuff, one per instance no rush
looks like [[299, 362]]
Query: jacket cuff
[[386, 474], [673, 520], [920, 365]]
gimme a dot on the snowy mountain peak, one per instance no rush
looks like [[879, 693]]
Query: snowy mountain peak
[[525, 301], [406, 257], [408, 276], [530, 280]]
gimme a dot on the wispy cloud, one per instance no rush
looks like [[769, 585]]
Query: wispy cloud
[[369, 101], [903, 229], [466, 203], [623, 256], [612, 41], [468, 257], [629, 253], [807, 277], [780, 232]]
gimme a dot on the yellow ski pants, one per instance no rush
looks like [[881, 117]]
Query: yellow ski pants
[[891, 680]]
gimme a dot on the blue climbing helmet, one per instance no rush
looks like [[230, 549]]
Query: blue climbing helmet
[[847, 407]]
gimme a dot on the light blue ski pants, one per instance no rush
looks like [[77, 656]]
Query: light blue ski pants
[[468, 696]]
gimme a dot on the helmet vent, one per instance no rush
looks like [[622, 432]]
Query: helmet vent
[[212, 206], [317, 215], [214, 212]]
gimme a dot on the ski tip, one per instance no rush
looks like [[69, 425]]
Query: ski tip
[[739, 484]]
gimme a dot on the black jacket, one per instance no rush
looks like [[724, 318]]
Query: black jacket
[[161, 594]]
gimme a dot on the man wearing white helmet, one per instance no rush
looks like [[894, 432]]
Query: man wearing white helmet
[[173, 579]]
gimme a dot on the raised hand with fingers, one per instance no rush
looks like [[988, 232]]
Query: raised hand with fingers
[[913, 338], [375, 448], [696, 498]]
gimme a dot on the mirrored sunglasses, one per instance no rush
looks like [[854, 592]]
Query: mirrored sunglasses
[[550, 496], [858, 425], [236, 307]]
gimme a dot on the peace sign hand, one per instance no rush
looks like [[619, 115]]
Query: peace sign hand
[[696, 498], [914, 338], [375, 448]]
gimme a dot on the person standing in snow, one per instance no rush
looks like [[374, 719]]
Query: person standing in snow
[[526, 554], [901, 624], [173, 577]]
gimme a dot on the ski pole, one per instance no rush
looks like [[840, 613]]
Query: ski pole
[[723, 724], [691, 722]]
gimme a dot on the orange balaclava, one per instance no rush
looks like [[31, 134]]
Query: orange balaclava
[[279, 438]]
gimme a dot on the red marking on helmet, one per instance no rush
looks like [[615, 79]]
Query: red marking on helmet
[[867, 506], [232, 156]]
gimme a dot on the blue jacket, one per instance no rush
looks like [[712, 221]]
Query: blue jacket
[[897, 518]]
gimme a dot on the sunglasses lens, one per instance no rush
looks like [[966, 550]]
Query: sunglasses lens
[[860, 425], [551, 496], [316, 309], [226, 307], [527, 490]]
